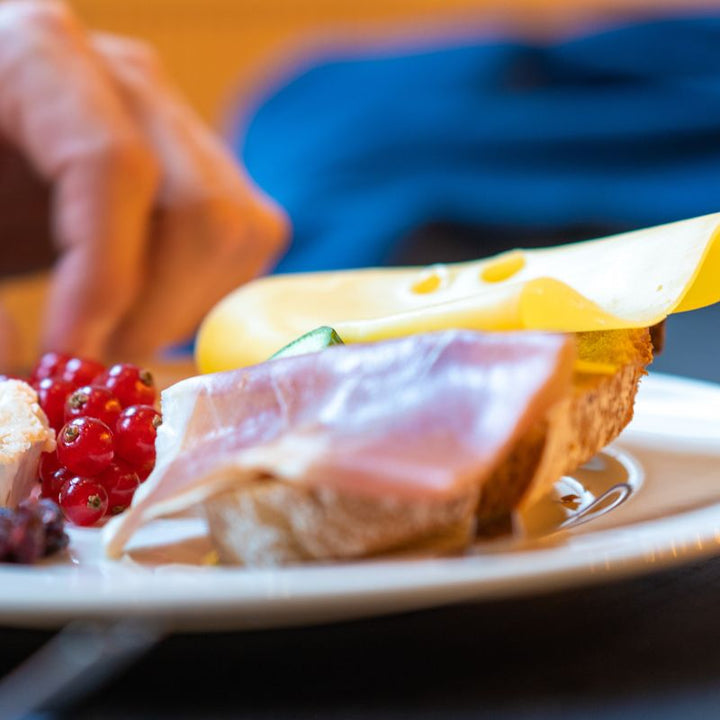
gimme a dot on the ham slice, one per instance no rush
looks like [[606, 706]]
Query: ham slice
[[420, 420]]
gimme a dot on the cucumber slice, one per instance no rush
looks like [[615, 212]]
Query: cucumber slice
[[313, 341]]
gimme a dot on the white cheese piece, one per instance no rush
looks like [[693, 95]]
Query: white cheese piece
[[24, 435]]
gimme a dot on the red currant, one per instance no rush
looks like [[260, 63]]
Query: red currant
[[48, 366], [129, 384], [121, 482], [85, 446], [144, 470], [52, 393], [49, 463], [83, 501], [135, 434], [80, 371], [93, 401], [52, 484]]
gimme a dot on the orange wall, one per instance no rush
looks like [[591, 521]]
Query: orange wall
[[216, 48]]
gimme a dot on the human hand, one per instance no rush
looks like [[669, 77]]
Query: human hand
[[153, 220]]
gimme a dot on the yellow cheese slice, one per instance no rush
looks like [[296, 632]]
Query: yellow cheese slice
[[630, 280]]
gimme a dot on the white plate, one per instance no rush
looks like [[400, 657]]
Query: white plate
[[671, 453]]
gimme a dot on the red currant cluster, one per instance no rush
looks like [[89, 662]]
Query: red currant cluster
[[106, 425]]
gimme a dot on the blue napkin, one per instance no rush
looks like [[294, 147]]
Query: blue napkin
[[619, 127]]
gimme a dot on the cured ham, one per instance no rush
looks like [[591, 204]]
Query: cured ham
[[418, 422]]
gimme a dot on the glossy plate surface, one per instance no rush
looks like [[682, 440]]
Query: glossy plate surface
[[651, 500]]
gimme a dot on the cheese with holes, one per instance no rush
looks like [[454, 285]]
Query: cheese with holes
[[24, 435], [630, 280]]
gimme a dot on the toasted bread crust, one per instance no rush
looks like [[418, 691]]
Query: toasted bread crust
[[600, 406]]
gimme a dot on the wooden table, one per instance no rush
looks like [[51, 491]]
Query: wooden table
[[646, 648]]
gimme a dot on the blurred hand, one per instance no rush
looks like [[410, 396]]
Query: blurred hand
[[153, 220]]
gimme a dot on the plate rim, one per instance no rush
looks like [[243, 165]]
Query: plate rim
[[238, 597]]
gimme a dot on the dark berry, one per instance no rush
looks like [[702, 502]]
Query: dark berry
[[35, 529], [135, 434], [83, 501], [93, 401], [52, 394], [27, 536], [81, 371], [49, 365], [85, 446], [121, 482], [5, 534], [130, 384], [54, 522]]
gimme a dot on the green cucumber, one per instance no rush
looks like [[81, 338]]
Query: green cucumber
[[313, 341]]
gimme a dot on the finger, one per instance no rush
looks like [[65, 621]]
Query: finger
[[24, 215], [190, 274], [214, 230], [59, 107]]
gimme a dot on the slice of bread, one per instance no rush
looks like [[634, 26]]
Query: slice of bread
[[274, 522], [277, 523]]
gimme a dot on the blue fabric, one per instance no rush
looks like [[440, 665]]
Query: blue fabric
[[620, 127]]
